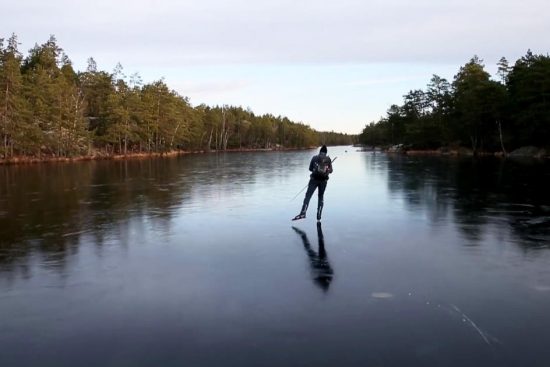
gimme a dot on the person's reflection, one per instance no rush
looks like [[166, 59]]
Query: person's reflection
[[320, 267]]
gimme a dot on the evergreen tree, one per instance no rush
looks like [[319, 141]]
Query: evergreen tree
[[97, 88], [503, 69], [13, 107], [48, 108], [529, 89], [470, 88], [43, 92], [74, 136]]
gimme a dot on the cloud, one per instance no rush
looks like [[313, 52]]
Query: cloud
[[283, 31]]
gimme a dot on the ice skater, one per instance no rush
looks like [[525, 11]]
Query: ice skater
[[320, 168]]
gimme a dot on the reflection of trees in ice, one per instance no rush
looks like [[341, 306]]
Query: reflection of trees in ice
[[480, 195], [47, 210]]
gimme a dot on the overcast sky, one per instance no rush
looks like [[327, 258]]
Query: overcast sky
[[335, 65]]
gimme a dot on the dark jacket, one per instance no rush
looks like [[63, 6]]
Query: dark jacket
[[320, 159]]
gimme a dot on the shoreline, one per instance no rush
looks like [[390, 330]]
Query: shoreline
[[22, 160], [455, 153], [524, 152]]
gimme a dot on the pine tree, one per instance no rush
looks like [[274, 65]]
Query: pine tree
[[13, 108], [469, 93]]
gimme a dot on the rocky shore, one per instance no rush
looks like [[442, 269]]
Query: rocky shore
[[523, 152]]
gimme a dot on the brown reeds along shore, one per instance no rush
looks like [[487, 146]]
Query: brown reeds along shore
[[136, 155]]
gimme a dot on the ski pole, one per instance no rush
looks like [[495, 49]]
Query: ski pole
[[299, 192]]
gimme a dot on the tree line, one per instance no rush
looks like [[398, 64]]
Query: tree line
[[473, 111], [49, 109]]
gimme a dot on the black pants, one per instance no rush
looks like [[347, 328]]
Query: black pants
[[321, 185]]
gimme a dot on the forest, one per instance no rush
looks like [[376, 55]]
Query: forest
[[48, 109], [474, 111]]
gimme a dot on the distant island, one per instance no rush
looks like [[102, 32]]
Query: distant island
[[473, 114], [49, 111]]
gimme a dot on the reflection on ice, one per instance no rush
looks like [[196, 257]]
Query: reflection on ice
[[321, 270], [381, 295], [487, 338], [190, 261], [541, 288]]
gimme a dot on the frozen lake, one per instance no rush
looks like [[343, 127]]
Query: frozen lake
[[193, 261]]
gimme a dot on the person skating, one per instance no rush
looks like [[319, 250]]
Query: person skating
[[320, 168]]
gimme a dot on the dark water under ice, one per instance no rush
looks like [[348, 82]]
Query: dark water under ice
[[193, 261]]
